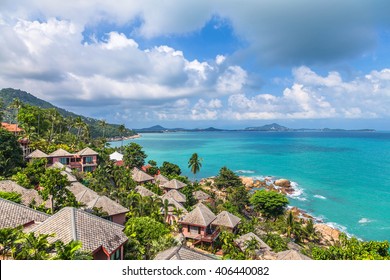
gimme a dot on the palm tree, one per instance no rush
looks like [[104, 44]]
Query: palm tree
[[103, 125], [165, 207], [121, 130], [16, 104], [195, 163], [34, 247], [251, 246], [79, 124], [71, 251], [8, 236]]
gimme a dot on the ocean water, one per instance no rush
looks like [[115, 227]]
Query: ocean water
[[342, 178]]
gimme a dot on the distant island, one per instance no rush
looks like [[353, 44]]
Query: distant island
[[274, 127]]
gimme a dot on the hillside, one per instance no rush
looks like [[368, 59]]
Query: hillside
[[268, 127], [8, 95]]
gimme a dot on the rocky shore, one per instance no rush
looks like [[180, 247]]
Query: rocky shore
[[115, 139]]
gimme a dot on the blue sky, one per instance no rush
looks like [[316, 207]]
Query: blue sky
[[200, 63]]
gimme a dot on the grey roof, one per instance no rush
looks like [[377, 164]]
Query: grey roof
[[201, 216], [226, 219], [13, 214], [140, 176], [182, 253], [175, 205], [107, 205], [27, 195], [200, 195], [65, 171], [144, 191], [60, 153], [87, 152], [75, 224], [243, 238], [174, 184], [37, 154], [291, 255], [176, 195], [91, 199], [161, 179]]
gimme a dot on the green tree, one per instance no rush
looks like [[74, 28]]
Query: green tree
[[230, 250], [71, 251], [195, 163], [16, 104], [30, 176], [134, 156], [1, 109], [8, 237], [121, 130], [276, 242], [148, 234], [227, 178], [33, 247], [238, 197], [251, 246], [353, 249], [269, 203], [170, 169], [54, 188], [103, 125], [11, 154], [12, 196]]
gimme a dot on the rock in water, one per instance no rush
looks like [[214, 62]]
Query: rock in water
[[284, 183]]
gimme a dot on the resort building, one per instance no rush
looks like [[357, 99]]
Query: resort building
[[263, 248], [175, 211], [93, 202], [28, 196], [13, 215], [201, 196], [173, 185], [84, 160], [291, 255], [17, 131], [141, 177], [176, 195], [227, 221], [117, 158], [104, 239], [144, 191], [183, 253], [160, 179]]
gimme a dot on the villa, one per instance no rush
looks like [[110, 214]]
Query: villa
[[141, 177], [176, 195], [173, 185]]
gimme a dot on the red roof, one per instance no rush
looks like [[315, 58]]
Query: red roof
[[11, 127]]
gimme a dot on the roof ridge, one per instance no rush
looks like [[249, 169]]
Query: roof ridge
[[73, 224], [24, 206]]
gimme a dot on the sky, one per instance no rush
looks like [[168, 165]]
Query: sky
[[227, 64]]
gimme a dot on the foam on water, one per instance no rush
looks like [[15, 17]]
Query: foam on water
[[319, 196], [298, 192], [244, 171], [364, 221]]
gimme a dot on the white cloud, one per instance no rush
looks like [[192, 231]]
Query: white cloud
[[118, 41], [232, 80], [220, 59]]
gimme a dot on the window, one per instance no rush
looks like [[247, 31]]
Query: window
[[116, 255], [88, 160], [64, 161], [88, 168]]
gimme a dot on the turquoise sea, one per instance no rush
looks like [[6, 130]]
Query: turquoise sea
[[342, 178]]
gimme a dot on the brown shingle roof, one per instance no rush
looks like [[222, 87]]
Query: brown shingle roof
[[74, 224], [65, 171], [87, 152], [226, 219], [175, 205], [27, 195], [107, 205], [37, 154], [176, 195], [200, 195], [182, 253], [161, 179], [60, 153], [244, 238], [174, 184], [201, 216], [291, 255], [13, 214], [144, 191], [139, 176]]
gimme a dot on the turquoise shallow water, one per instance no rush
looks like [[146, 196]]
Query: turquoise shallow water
[[343, 177]]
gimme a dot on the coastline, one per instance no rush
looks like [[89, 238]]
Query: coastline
[[117, 139]]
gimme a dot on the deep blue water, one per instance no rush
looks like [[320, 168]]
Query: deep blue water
[[342, 177]]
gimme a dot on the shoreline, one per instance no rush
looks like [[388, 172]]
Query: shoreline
[[117, 139]]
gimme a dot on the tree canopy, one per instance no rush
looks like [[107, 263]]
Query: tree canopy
[[134, 156], [11, 154], [170, 169], [195, 163], [269, 203], [227, 178]]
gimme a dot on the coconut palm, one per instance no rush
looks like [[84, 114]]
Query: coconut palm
[[71, 251], [121, 130], [195, 163], [33, 247], [251, 246], [8, 236], [103, 125]]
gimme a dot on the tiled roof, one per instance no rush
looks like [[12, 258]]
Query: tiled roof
[[291, 255], [161, 179], [182, 253], [175, 205], [176, 195], [116, 156], [226, 219], [75, 224], [144, 191], [65, 171], [91, 199], [37, 154], [60, 153], [107, 205], [13, 214], [11, 127], [244, 238], [174, 184], [87, 152], [140, 176], [27, 195], [200, 195], [201, 216]]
